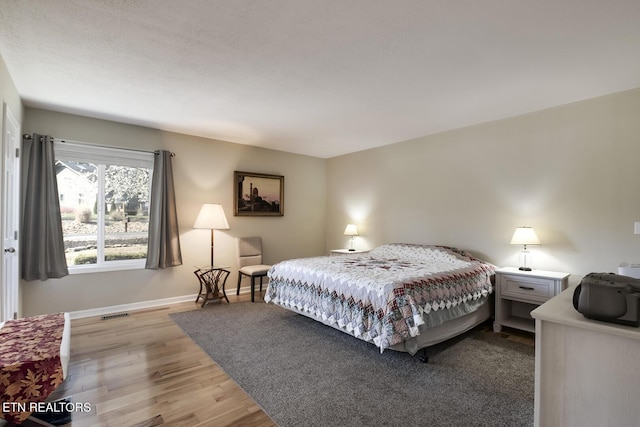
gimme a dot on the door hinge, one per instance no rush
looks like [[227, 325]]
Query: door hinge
[[15, 315], [17, 152]]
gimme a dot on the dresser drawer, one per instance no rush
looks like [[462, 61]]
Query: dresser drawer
[[527, 288]]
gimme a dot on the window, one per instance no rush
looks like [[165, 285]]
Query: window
[[104, 205]]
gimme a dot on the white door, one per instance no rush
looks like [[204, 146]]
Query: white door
[[10, 217]]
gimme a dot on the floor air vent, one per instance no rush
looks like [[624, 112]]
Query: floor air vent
[[114, 316]]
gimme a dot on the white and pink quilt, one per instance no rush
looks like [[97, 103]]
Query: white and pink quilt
[[380, 296]]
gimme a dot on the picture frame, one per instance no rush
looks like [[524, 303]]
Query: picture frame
[[257, 194]]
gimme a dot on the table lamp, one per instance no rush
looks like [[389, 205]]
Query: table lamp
[[351, 230], [525, 236]]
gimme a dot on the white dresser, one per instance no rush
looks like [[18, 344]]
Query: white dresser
[[587, 371]]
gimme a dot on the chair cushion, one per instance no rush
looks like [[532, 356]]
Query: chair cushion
[[255, 270]]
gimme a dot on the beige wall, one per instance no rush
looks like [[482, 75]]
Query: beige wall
[[203, 173], [571, 172]]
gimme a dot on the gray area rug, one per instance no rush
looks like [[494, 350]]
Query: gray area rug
[[304, 373]]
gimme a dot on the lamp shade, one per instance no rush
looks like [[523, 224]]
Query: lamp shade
[[525, 236], [351, 230], [211, 217]]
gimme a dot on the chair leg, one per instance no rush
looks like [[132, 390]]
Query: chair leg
[[253, 287], [239, 279]]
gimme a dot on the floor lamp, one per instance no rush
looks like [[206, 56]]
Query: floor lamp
[[211, 217]]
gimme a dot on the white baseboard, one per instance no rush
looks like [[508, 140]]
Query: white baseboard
[[101, 311], [129, 307]]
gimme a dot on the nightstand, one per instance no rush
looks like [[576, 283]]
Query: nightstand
[[519, 292], [345, 252]]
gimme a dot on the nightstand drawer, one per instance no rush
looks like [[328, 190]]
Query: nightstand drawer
[[526, 288]]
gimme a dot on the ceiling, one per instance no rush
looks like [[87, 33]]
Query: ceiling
[[316, 77]]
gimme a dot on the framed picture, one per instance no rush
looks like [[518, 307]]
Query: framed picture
[[258, 194]]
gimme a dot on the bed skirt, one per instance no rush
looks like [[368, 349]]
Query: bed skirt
[[434, 331]]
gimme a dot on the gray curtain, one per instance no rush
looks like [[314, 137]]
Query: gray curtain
[[42, 246], [164, 238]]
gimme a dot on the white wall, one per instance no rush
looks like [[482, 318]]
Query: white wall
[[571, 172], [9, 93], [203, 173], [9, 98]]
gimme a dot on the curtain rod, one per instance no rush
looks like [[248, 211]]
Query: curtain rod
[[68, 141]]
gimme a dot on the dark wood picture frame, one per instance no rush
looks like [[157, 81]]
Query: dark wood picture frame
[[258, 194]]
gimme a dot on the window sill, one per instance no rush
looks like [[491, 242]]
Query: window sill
[[111, 266]]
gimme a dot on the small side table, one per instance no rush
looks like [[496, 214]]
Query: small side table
[[212, 281], [345, 252], [520, 292]]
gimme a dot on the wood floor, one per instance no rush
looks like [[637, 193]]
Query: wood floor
[[142, 370]]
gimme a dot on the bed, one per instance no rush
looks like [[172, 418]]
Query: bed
[[402, 297], [34, 359]]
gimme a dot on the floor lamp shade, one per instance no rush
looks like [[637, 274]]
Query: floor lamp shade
[[211, 217]]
